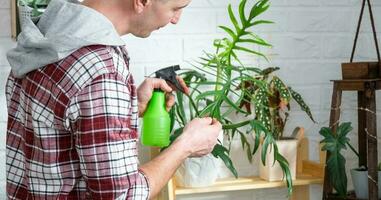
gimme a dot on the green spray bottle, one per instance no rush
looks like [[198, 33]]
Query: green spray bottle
[[156, 119]]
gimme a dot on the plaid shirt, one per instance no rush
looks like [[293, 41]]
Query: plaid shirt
[[72, 129]]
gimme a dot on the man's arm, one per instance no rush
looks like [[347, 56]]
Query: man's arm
[[198, 139], [161, 168]]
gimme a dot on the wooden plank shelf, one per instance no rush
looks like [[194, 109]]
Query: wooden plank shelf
[[247, 183], [307, 172]]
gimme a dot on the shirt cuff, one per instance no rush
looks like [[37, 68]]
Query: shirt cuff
[[144, 183]]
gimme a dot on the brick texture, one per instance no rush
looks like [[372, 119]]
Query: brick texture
[[311, 38]]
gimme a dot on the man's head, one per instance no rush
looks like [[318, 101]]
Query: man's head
[[139, 17], [155, 14]]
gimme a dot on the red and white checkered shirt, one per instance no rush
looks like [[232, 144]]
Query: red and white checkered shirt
[[72, 129]]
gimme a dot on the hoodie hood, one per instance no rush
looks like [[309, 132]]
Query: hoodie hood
[[63, 28]]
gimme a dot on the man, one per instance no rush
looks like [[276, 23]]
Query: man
[[73, 106]]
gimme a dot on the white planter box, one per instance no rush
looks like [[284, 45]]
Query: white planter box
[[199, 172], [273, 172]]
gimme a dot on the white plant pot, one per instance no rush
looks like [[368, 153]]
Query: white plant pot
[[360, 183], [199, 172], [273, 172]]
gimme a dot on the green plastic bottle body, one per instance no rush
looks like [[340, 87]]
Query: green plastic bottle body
[[156, 122]]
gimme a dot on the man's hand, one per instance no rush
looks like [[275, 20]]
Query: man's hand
[[200, 136], [145, 91], [198, 139]]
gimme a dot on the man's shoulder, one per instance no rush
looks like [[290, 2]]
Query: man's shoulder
[[90, 57], [78, 69]]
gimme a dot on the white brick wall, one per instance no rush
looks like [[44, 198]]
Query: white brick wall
[[311, 38]]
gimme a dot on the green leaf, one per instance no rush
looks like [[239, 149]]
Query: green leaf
[[194, 75], [334, 143], [235, 56], [268, 141], [269, 70], [180, 101], [233, 105], [179, 114], [261, 22], [262, 43], [298, 98], [246, 144], [262, 111], [258, 129], [250, 51], [242, 16], [286, 171], [281, 88], [235, 126], [258, 8], [344, 129], [208, 109], [326, 133], [229, 31], [41, 3], [208, 93], [172, 115], [233, 19], [35, 12], [220, 151], [336, 169]]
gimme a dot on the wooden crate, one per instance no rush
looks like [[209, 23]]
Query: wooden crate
[[361, 70]]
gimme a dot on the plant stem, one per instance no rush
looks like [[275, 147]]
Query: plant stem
[[194, 105], [353, 149]]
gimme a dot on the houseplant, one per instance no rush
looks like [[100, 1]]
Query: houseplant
[[272, 107], [31, 9], [334, 143], [219, 66], [217, 91]]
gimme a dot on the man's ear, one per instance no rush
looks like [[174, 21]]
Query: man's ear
[[140, 5]]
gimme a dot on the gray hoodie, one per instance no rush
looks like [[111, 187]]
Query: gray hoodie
[[63, 28]]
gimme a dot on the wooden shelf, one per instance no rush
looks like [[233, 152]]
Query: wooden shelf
[[308, 172], [247, 183]]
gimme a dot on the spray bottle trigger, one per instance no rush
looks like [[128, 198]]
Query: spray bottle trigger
[[169, 75]]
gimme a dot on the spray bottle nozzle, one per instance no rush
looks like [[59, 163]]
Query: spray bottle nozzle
[[169, 74]]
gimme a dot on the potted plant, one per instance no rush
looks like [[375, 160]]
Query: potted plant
[[214, 87], [213, 90], [334, 143], [272, 108], [31, 9]]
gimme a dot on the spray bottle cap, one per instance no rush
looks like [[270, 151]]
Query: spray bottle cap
[[169, 74]]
